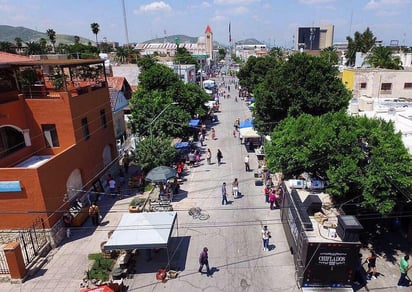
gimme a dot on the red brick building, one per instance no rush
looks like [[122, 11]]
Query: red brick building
[[56, 138]]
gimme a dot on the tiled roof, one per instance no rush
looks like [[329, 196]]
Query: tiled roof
[[116, 82], [208, 29], [8, 58]]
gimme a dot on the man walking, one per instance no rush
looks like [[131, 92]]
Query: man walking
[[247, 167], [224, 194], [404, 268], [204, 261], [94, 213]]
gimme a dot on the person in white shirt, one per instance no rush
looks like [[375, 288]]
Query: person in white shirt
[[247, 166]]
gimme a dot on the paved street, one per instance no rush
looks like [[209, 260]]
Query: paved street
[[232, 233]]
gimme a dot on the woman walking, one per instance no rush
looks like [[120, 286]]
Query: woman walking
[[235, 188], [208, 156], [265, 237], [219, 156]]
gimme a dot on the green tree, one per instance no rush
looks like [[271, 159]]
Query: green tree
[[362, 42], [19, 42], [381, 57], [33, 48], [255, 71], [330, 147], [7, 47], [52, 37], [76, 39], [330, 55], [95, 29], [303, 84], [221, 54], [183, 56], [151, 153]]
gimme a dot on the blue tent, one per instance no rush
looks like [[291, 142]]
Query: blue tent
[[194, 123], [246, 124], [182, 145]]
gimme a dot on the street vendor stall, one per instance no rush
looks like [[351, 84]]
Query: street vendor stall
[[148, 230]]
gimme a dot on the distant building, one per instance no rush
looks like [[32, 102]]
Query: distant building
[[203, 46], [314, 38], [186, 72], [378, 83], [244, 51]]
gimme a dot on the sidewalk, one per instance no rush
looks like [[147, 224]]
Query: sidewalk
[[67, 265]]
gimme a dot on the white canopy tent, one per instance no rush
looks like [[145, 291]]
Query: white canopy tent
[[248, 133], [147, 230]]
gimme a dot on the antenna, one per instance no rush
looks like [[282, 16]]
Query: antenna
[[125, 23], [350, 23], [165, 36]]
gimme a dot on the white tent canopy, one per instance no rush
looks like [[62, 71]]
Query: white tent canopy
[[146, 230], [248, 133]]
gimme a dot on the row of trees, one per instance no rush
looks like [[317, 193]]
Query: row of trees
[[161, 109], [301, 103]]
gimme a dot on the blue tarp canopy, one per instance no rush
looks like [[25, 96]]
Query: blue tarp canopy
[[246, 124], [182, 145], [194, 123]]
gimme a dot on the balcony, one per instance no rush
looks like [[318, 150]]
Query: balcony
[[45, 79]]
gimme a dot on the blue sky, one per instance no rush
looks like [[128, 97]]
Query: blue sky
[[270, 21]]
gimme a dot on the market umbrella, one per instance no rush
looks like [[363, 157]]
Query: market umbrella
[[160, 174]]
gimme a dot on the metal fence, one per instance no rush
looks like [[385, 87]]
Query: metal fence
[[31, 240]]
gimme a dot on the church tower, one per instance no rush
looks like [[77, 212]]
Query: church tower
[[209, 41]]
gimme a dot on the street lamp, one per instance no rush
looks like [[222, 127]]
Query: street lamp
[[158, 116]]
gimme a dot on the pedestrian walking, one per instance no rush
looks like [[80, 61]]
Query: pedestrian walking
[[126, 162], [371, 260], [404, 268], [213, 134], [272, 198], [112, 187], [208, 156], [94, 213], [219, 156], [235, 188], [266, 235], [247, 166], [267, 190], [224, 194], [204, 261]]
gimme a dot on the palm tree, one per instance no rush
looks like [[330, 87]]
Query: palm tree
[[95, 29], [76, 39], [362, 42], [381, 57], [33, 48], [52, 37], [19, 43]]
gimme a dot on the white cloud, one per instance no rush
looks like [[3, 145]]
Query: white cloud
[[155, 6], [315, 1], [235, 2], [205, 4], [385, 4], [240, 10]]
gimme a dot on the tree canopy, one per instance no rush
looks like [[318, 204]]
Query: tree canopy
[[160, 87], [303, 84], [355, 155], [381, 57], [361, 42]]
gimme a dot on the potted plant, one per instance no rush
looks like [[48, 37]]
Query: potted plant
[[136, 205]]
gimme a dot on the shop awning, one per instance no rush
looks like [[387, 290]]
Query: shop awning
[[246, 124], [194, 123], [147, 230], [248, 133]]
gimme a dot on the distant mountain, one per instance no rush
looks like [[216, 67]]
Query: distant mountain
[[249, 42], [9, 33]]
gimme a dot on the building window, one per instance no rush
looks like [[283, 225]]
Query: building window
[[50, 135], [386, 86], [85, 129], [11, 140], [407, 85], [363, 85], [103, 118]]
